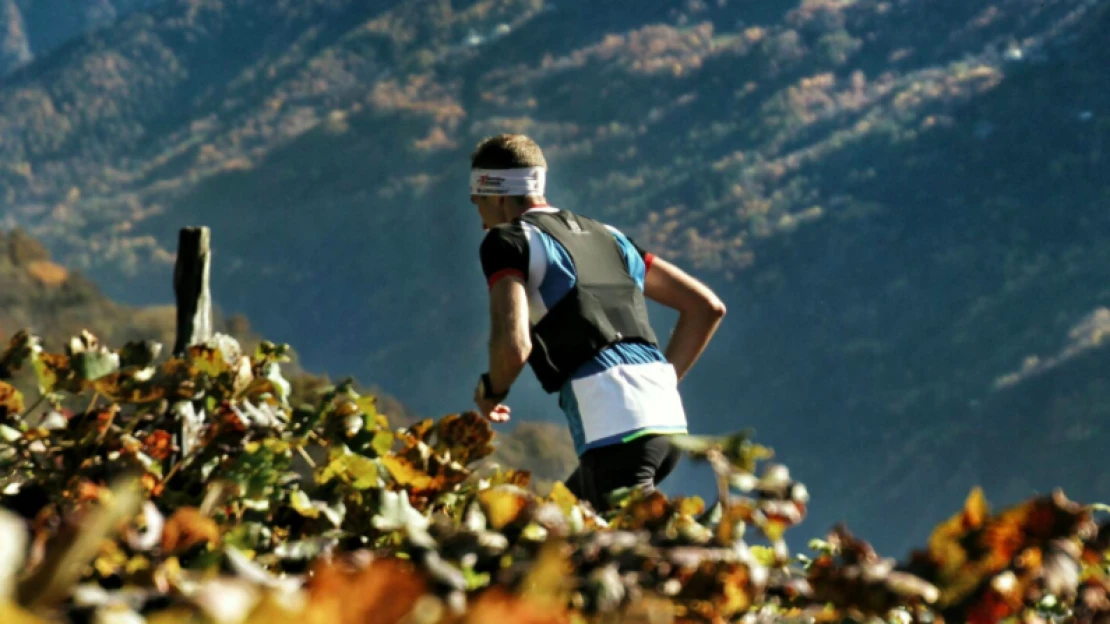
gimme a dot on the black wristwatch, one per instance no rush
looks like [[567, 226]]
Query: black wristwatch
[[485, 384]]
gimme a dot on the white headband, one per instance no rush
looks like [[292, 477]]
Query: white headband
[[525, 181]]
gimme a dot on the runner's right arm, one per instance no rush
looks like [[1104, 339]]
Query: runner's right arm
[[699, 311]]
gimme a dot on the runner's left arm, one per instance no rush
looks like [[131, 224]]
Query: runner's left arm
[[504, 255], [510, 341]]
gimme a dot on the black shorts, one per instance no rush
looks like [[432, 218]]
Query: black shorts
[[643, 462]]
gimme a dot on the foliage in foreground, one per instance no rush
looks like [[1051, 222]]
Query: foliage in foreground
[[186, 490]]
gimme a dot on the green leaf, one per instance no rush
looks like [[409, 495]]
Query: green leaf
[[382, 442], [303, 550], [270, 352], [22, 348], [821, 546], [92, 365], [737, 448], [247, 536], [256, 504], [743, 481], [475, 580], [308, 508], [361, 473], [695, 445], [1052, 606], [281, 386], [619, 497], [8, 434]]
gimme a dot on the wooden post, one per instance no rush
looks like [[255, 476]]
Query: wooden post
[[190, 287]]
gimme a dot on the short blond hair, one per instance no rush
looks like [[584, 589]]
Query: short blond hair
[[507, 151]]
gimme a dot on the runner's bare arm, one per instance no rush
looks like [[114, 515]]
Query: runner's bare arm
[[699, 311], [510, 341]]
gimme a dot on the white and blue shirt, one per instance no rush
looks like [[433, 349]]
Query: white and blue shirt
[[627, 390]]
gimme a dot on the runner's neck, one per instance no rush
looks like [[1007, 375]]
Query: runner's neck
[[540, 208]]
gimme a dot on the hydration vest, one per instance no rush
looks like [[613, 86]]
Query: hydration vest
[[605, 306]]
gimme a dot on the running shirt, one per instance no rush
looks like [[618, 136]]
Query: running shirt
[[627, 390]]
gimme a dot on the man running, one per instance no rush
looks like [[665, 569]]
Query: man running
[[567, 297]]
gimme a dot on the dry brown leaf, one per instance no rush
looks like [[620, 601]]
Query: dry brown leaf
[[188, 527]]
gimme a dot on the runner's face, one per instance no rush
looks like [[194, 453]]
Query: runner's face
[[490, 208]]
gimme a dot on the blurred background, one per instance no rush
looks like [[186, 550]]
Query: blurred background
[[904, 204]]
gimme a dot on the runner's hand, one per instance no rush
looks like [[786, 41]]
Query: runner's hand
[[492, 410]]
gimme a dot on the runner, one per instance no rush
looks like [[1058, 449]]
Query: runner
[[567, 297]]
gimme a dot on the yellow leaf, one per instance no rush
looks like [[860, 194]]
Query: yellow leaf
[[303, 505], [774, 529], [693, 506], [207, 360], [562, 497], [763, 554], [547, 583], [11, 614], [519, 478], [407, 475], [110, 559], [503, 504], [272, 610], [368, 405]]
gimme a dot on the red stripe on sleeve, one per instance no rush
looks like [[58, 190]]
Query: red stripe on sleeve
[[496, 277], [648, 259]]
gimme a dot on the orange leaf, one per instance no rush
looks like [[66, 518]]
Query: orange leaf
[[644, 511], [11, 400], [414, 435], [152, 484], [467, 437], [158, 444], [499, 605], [87, 491], [944, 547], [119, 388], [385, 592], [186, 528]]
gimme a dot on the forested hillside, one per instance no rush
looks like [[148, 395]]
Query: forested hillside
[[900, 202]]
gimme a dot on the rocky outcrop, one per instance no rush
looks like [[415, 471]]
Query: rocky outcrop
[[15, 48], [31, 28]]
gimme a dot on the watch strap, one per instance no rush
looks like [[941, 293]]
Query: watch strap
[[487, 389]]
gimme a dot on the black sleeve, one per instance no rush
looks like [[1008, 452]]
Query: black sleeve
[[646, 256], [504, 252], [636, 246]]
